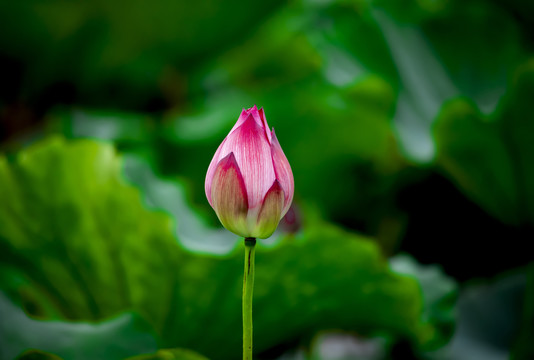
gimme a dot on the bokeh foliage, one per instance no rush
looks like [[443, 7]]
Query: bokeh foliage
[[70, 258], [406, 121]]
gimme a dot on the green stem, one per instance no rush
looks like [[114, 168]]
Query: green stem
[[248, 286]]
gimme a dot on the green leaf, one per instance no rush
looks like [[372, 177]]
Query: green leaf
[[170, 354], [191, 230], [439, 295], [322, 279], [437, 62], [523, 347], [117, 126], [81, 245], [490, 157], [113, 339], [489, 317], [37, 355], [81, 236], [112, 67]]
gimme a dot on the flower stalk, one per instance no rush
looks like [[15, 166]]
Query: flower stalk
[[249, 184], [248, 287]]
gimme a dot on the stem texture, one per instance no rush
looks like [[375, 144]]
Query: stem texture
[[248, 286]]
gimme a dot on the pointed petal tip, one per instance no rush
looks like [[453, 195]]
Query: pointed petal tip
[[252, 109], [229, 160], [230, 156], [271, 211], [249, 117], [276, 186], [262, 121], [229, 195]]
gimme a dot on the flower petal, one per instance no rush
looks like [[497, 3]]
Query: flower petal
[[265, 125], [253, 156], [283, 172], [211, 171], [255, 114], [229, 196], [240, 120], [270, 213]]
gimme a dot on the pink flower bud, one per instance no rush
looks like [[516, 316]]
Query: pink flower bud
[[249, 182]]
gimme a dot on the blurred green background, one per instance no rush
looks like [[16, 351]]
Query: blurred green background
[[410, 131]]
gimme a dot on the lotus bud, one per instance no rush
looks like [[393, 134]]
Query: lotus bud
[[249, 182]]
